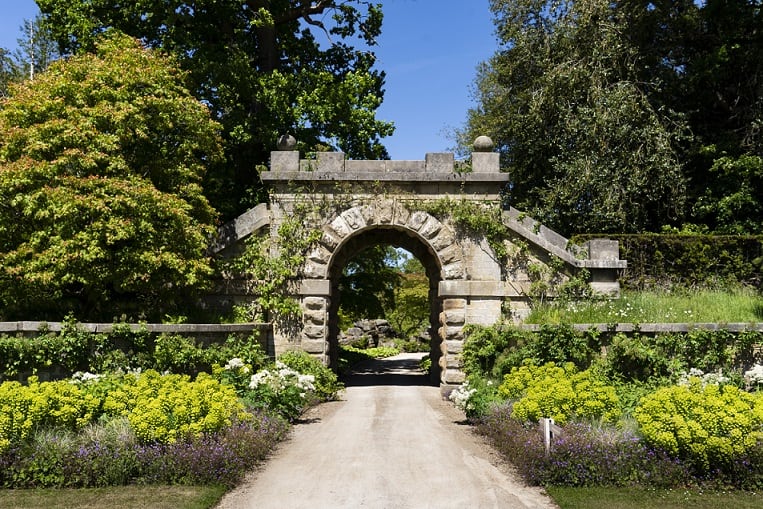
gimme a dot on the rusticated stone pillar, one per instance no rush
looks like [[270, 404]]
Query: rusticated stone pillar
[[452, 321], [315, 326]]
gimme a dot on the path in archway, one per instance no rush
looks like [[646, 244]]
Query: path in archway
[[391, 442]]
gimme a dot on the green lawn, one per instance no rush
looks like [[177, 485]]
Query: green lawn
[[121, 497], [645, 498], [744, 306]]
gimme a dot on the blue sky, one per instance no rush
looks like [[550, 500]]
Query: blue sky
[[429, 49]]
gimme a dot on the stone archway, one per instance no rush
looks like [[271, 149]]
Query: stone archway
[[392, 223], [368, 202]]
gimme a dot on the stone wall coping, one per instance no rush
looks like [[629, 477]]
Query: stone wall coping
[[651, 328], [434, 163], [240, 227], [159, 328], [552, 242], [382, 176], [474, 288]]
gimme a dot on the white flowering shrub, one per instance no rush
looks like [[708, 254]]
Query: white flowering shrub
[[235, 373], [754, 377], [461, 396], [705, 378], [281, 389]]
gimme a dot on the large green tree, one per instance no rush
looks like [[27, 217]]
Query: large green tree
[[563, 101], [101, 207], [368, 283], [265, 67], [36, 48], [410, 312], [8, 71], [628, 115]]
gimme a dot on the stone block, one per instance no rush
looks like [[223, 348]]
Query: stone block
[[450, 254], [314, 317], [455, 347], [330, 239], [354, 218], [319, 255], [417, 220], [431, 228], [484, 311], [365, 166], [443, 239], [330, 162], [452, 361], [449, 304], [315, 303], [453, 317], [608, 289], [315, 270], [383, 212], [454, 271], [284, 161], [314, 332], [486, 162], [453, 376], [603, 249], [451, 333], [406, 166], [440, 162], [401, 214], [340, 228], [313, 347]]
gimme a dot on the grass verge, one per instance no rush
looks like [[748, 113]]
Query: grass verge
[[743, 305], [117, 497], [647, 498]]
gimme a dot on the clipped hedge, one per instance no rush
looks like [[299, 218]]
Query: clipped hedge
[[493, 351], [59, 355], [660, 260]]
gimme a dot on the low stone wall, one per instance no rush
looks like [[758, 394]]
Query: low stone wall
[[203, 332], [656, 328]]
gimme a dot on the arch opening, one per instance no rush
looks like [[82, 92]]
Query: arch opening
[[399, 238]]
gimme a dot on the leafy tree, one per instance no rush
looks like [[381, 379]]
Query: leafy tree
[[571, 116], [587, 92], [707, 57], [410, 313], [261, 67], [367, 284], [101, 206], [37, 50], [8, 71]]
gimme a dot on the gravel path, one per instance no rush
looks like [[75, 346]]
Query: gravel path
[[390, 442]]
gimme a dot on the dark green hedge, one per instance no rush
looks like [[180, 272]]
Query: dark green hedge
[[52, 355], [656, 260]]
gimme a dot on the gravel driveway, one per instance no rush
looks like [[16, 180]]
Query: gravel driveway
[[390, 442]]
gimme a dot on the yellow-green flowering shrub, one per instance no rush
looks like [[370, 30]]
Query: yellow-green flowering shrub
[[26, 408], [19, 413], [709, 423], [167, 408], [559, 392]]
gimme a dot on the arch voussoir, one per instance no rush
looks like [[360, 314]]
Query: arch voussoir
[[354, 218]]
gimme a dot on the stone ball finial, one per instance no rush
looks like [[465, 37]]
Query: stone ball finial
[[287, 142], [483, 144]]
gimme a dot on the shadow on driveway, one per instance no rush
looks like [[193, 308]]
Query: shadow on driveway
[[400, 370]]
